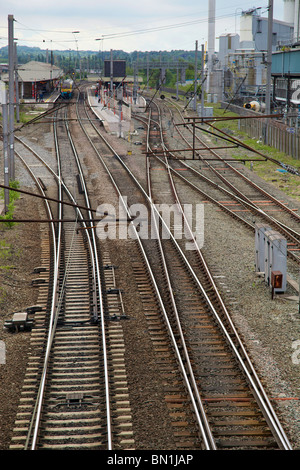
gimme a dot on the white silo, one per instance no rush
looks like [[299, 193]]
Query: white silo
[[296, 21], [289, 10], [211, 39], [292, 16]]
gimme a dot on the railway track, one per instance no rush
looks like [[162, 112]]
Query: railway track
[[68, 394], [235, 192], [212, 393], [194, 306], [210, 355], [225, 186]]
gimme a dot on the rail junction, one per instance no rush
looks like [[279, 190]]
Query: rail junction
[[133, 344]]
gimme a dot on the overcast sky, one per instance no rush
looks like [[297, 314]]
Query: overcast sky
[[122, 24]]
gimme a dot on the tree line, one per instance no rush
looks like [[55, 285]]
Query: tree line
[[71, 61]]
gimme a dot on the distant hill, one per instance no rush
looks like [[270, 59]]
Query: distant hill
[[72, 61], [25, 54]]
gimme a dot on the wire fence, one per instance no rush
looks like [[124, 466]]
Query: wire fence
[[275, 133]]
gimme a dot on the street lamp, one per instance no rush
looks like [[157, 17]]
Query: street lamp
[[76, 41], [101, 39]]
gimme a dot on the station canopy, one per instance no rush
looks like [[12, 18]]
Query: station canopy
[[37, 72]]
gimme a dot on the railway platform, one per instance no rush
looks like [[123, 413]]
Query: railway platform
[[107, 110], [48, 98]]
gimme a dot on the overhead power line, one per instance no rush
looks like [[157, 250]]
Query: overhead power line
[[123, 33]]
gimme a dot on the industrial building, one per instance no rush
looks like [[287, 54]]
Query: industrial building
[[243, 57], [240, 67], [286, 76]]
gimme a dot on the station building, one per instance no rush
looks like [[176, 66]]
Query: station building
[[35, 79]]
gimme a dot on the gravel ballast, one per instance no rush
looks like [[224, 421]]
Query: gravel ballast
[[269, 327]]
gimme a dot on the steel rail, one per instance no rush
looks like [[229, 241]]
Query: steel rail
[[287, 231], [203, 193], [271, 416], [208, 441], [57, 256], [35, 420], [45, 197], [38, 408], [251, 183], [94, 258], [54, 291], [100, 295], [258, 388], [280, 226], [203, 422], [252, 378], [251, 375]]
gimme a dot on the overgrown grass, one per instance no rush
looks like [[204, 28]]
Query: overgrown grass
[[7, 256], [29, 112], [269, 171], [26, 114], [13, 197]]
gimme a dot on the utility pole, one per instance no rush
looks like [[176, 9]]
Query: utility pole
[[17, 83], [3, 96], [147, 71], [202, 80], [195, 82], [11, 95], [177, 78], [120, 99], [135, 83], [269, 68], [111, 73]]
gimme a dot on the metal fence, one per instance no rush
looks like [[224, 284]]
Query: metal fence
[[275, 133]]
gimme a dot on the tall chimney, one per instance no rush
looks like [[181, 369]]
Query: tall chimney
[[289, 9], [297, 21], [211, 39]]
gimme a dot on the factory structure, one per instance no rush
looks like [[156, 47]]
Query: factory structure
[[238, 72]]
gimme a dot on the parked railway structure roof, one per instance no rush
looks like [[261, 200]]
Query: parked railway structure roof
[[37, 71]]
